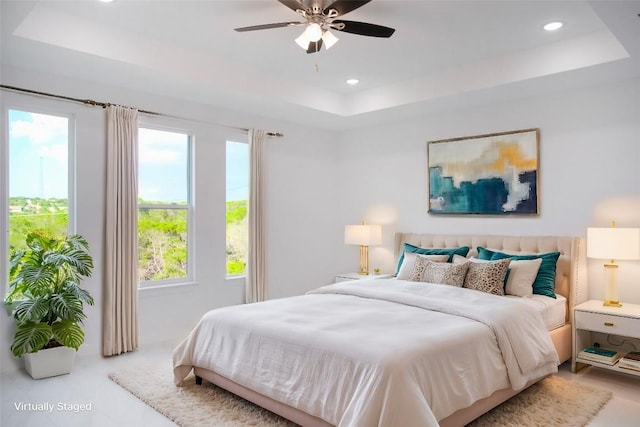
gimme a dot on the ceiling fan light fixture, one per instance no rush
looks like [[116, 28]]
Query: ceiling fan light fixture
[[313, 32], [329, 39], [318, 19]]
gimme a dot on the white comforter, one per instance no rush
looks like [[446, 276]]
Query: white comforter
[[383, 352]]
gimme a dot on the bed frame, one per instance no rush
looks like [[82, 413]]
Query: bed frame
[[570, 283]]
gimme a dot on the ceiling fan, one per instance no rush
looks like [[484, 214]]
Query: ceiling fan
[[319, 17]]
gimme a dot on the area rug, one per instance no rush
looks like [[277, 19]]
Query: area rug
[[554, 401]]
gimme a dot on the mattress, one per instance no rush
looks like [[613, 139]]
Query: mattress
[[552, 310]]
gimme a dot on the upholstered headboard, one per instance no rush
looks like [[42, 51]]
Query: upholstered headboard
[[571, 270]]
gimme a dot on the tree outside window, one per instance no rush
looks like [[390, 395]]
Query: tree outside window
[[164, 206], [237, 196]]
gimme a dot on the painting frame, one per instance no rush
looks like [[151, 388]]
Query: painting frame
[[490, 174]]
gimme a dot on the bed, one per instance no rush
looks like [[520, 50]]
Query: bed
[[355, 353]]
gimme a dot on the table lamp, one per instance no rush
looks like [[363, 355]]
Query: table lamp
[[363, 235], [613, 244]]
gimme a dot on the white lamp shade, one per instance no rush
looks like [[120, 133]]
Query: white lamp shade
[[329, 39], [303, 41], [613, 243], [313, 32], [363, 234]]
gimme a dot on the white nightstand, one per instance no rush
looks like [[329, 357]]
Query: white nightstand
[[355, 276], [607, 326]]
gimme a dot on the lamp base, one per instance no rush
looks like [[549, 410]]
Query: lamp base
[[610, 303], [611, 292], [364, 260]]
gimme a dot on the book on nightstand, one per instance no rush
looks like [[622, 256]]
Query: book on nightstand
[[630, 360], [601, 355]]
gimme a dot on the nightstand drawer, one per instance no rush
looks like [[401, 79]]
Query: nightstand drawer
[[607, 323]]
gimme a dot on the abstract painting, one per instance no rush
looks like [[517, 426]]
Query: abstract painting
[[495, 174]]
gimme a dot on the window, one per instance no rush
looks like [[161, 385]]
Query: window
[[39, 182], [237, 196], [164, 207]]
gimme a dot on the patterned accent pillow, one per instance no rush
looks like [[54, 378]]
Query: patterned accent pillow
[[487, 276], [425, 270]]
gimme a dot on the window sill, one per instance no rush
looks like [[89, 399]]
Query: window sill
[[167, 286]]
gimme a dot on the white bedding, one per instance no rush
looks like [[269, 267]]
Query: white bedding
[[374, 352], [552, 310]]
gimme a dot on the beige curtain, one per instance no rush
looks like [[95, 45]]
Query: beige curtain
[[120, 315], [256, 288]]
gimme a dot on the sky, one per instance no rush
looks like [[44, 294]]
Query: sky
[[39, 153]]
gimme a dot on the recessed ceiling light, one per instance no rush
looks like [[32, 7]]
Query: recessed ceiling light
[[353, 82], [552, 26], [105, 1]]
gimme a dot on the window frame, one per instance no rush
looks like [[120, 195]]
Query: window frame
[[189, 207], [50, 109]]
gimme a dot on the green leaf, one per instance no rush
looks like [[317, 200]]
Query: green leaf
[[39, 278], [68, 333], [67, 306], [38, 241], [82, 294], [14, 263], [74, 261], [30, 337], [31, 310], [78, 242]]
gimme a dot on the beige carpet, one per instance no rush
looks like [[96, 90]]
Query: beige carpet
[[554, 401]]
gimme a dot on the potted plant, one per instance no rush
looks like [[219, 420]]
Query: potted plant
[[47, 302]]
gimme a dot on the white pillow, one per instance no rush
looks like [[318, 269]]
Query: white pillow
[[459, 259], [522, 273], [410, 259]]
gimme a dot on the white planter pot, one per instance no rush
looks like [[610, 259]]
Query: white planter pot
[[49, 362]]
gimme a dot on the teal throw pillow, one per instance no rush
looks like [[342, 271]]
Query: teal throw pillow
[[462, 251], [484, 253], [545, 282]]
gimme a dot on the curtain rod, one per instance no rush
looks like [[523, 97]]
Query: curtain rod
[[107, 104]]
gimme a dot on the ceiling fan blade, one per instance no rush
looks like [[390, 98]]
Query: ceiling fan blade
[[315, 46], [345, 6], [292, 4], [363, 28], [268, 26]]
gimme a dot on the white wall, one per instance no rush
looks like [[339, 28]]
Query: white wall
[[300, 202], [589, 172], [319, 181]]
